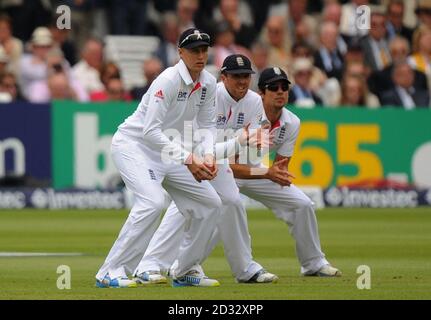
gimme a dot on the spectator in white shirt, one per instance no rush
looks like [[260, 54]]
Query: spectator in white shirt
[[87, 70], [33, 66]]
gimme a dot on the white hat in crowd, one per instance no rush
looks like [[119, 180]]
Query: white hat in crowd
[[301, 64], [41, 37]]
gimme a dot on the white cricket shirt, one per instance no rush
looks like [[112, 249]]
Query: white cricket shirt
[[232, 116], [170, 106], [285, 131]]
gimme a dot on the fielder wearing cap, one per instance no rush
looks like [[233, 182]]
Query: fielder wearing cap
[[151, 163], [273, 186], [192, 38]]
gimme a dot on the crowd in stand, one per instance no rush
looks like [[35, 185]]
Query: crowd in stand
[[330, 60]]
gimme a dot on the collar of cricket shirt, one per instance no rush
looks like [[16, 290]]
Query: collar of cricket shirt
[[281, 122], [185, 75]]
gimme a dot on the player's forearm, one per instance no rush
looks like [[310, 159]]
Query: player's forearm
[[242, 171], [169, 150], [227, 149]]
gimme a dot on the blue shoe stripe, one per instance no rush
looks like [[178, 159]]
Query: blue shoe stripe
[[100, 284]]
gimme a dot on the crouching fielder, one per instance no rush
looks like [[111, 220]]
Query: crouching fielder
[[273, 187], [146, 157]]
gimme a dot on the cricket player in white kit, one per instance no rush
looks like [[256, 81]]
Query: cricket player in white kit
[[149, 161], [273, 187], [237, 107]]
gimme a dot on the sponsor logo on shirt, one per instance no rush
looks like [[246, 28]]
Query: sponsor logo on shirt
[[152, 174], [221, 120], [159, 94], [182, 96]]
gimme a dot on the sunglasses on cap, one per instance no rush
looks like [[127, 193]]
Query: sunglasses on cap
[[195, 37], [275, 86]]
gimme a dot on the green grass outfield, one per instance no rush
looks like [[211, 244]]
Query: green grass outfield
[[394, 243]]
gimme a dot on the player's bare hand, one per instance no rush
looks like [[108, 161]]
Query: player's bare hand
[[278, 173], [210, 163], [199, 169]]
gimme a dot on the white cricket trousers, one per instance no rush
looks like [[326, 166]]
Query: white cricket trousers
[[295, 208], [143, 175], [232, 230]]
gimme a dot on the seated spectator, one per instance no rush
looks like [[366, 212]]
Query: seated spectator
[[33, 66], [394, 24], [61, 39], [279, 54], [87, 70], [355, 54], [318, 77], [59, 87], [381, 81], [420, 59], [151, 68], [356, 68], [108, 71], [9, 87], [186, 10], [403, 94], [423, 12], [354, 93], [375, 46], [301, 94], [4, 60], [300, 25], [332, 13], [259, 58], [328, 58], [38, 91], [114, 92], [224, 44], [167, 51], [12, 46], [238, 15]]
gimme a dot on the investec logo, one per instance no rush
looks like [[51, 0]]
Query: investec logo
[[16, 146], [90, 150]]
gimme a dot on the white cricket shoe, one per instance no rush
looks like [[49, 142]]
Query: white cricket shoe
[[150, 277], [262, 276], [194, 278], [326, 271], [120, 282]]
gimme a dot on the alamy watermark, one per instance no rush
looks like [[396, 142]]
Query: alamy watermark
[[363, 17], [364, 280], [64, 281], [64, 18]]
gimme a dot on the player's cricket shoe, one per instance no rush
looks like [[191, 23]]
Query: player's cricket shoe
[[121, 282], [326, 271], [194, 278], [150, 277], [262, 276]]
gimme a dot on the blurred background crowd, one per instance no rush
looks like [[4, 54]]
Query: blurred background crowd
[[331, 61]]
